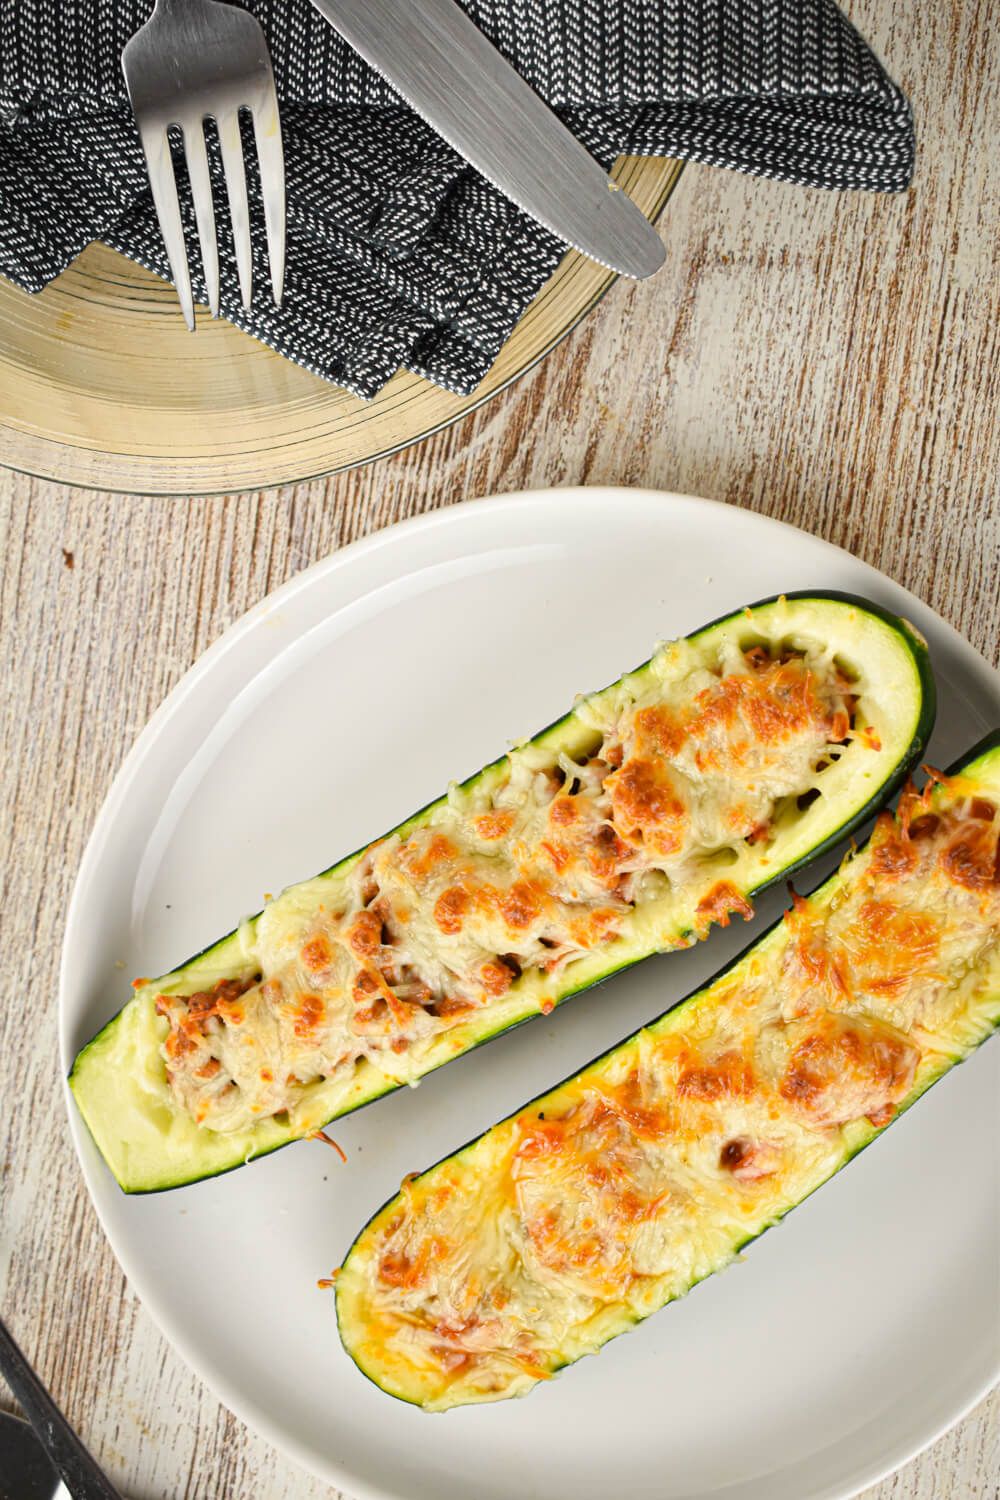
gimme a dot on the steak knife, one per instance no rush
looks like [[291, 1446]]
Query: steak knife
[[442, 64]]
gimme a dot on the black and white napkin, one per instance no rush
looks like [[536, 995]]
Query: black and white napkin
[[398, 253]]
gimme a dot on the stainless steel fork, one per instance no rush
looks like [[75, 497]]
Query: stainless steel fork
[[198, 60]]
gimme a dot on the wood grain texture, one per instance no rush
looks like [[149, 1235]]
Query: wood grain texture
[[829, 360]]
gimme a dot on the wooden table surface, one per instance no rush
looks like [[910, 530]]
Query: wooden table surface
[[829, 360]]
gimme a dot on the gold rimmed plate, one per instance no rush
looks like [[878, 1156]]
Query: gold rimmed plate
[[102, 385]]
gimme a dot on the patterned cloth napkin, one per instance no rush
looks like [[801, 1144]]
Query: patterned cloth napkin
[[398, 253]]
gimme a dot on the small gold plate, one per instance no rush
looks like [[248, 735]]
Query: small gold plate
[[102, 385]]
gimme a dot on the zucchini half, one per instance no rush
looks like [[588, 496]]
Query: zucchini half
[[119, 1078], [468, 1211]]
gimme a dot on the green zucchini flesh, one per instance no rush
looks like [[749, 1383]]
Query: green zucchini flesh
[[649, 1169], [619, 1190], [166, 1089]]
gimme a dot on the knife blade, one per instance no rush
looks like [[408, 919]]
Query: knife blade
[[442, 64]]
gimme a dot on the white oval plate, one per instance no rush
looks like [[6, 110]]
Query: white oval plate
[[847, 1341]]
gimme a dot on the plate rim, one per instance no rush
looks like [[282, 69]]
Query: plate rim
[[128, 485], [358, 1487]]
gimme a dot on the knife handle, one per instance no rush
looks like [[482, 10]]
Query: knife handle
[[78, 1469]]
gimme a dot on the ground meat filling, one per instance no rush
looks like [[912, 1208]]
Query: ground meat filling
[[498, 1257], [441, 922]]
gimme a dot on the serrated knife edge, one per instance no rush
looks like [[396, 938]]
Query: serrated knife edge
[[432, 54]]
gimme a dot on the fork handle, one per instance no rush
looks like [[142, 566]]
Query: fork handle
[[79, 1471]]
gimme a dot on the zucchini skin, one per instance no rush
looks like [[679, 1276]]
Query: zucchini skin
[[908, 759], [921, 657], [985, 748]]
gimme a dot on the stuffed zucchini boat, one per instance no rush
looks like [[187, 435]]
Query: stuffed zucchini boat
[[649, 1170], [653, 809]]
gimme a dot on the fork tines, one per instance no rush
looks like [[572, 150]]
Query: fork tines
[[196, 61]]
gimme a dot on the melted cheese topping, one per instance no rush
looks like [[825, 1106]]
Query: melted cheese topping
[[647, 1172], [440, 921]]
